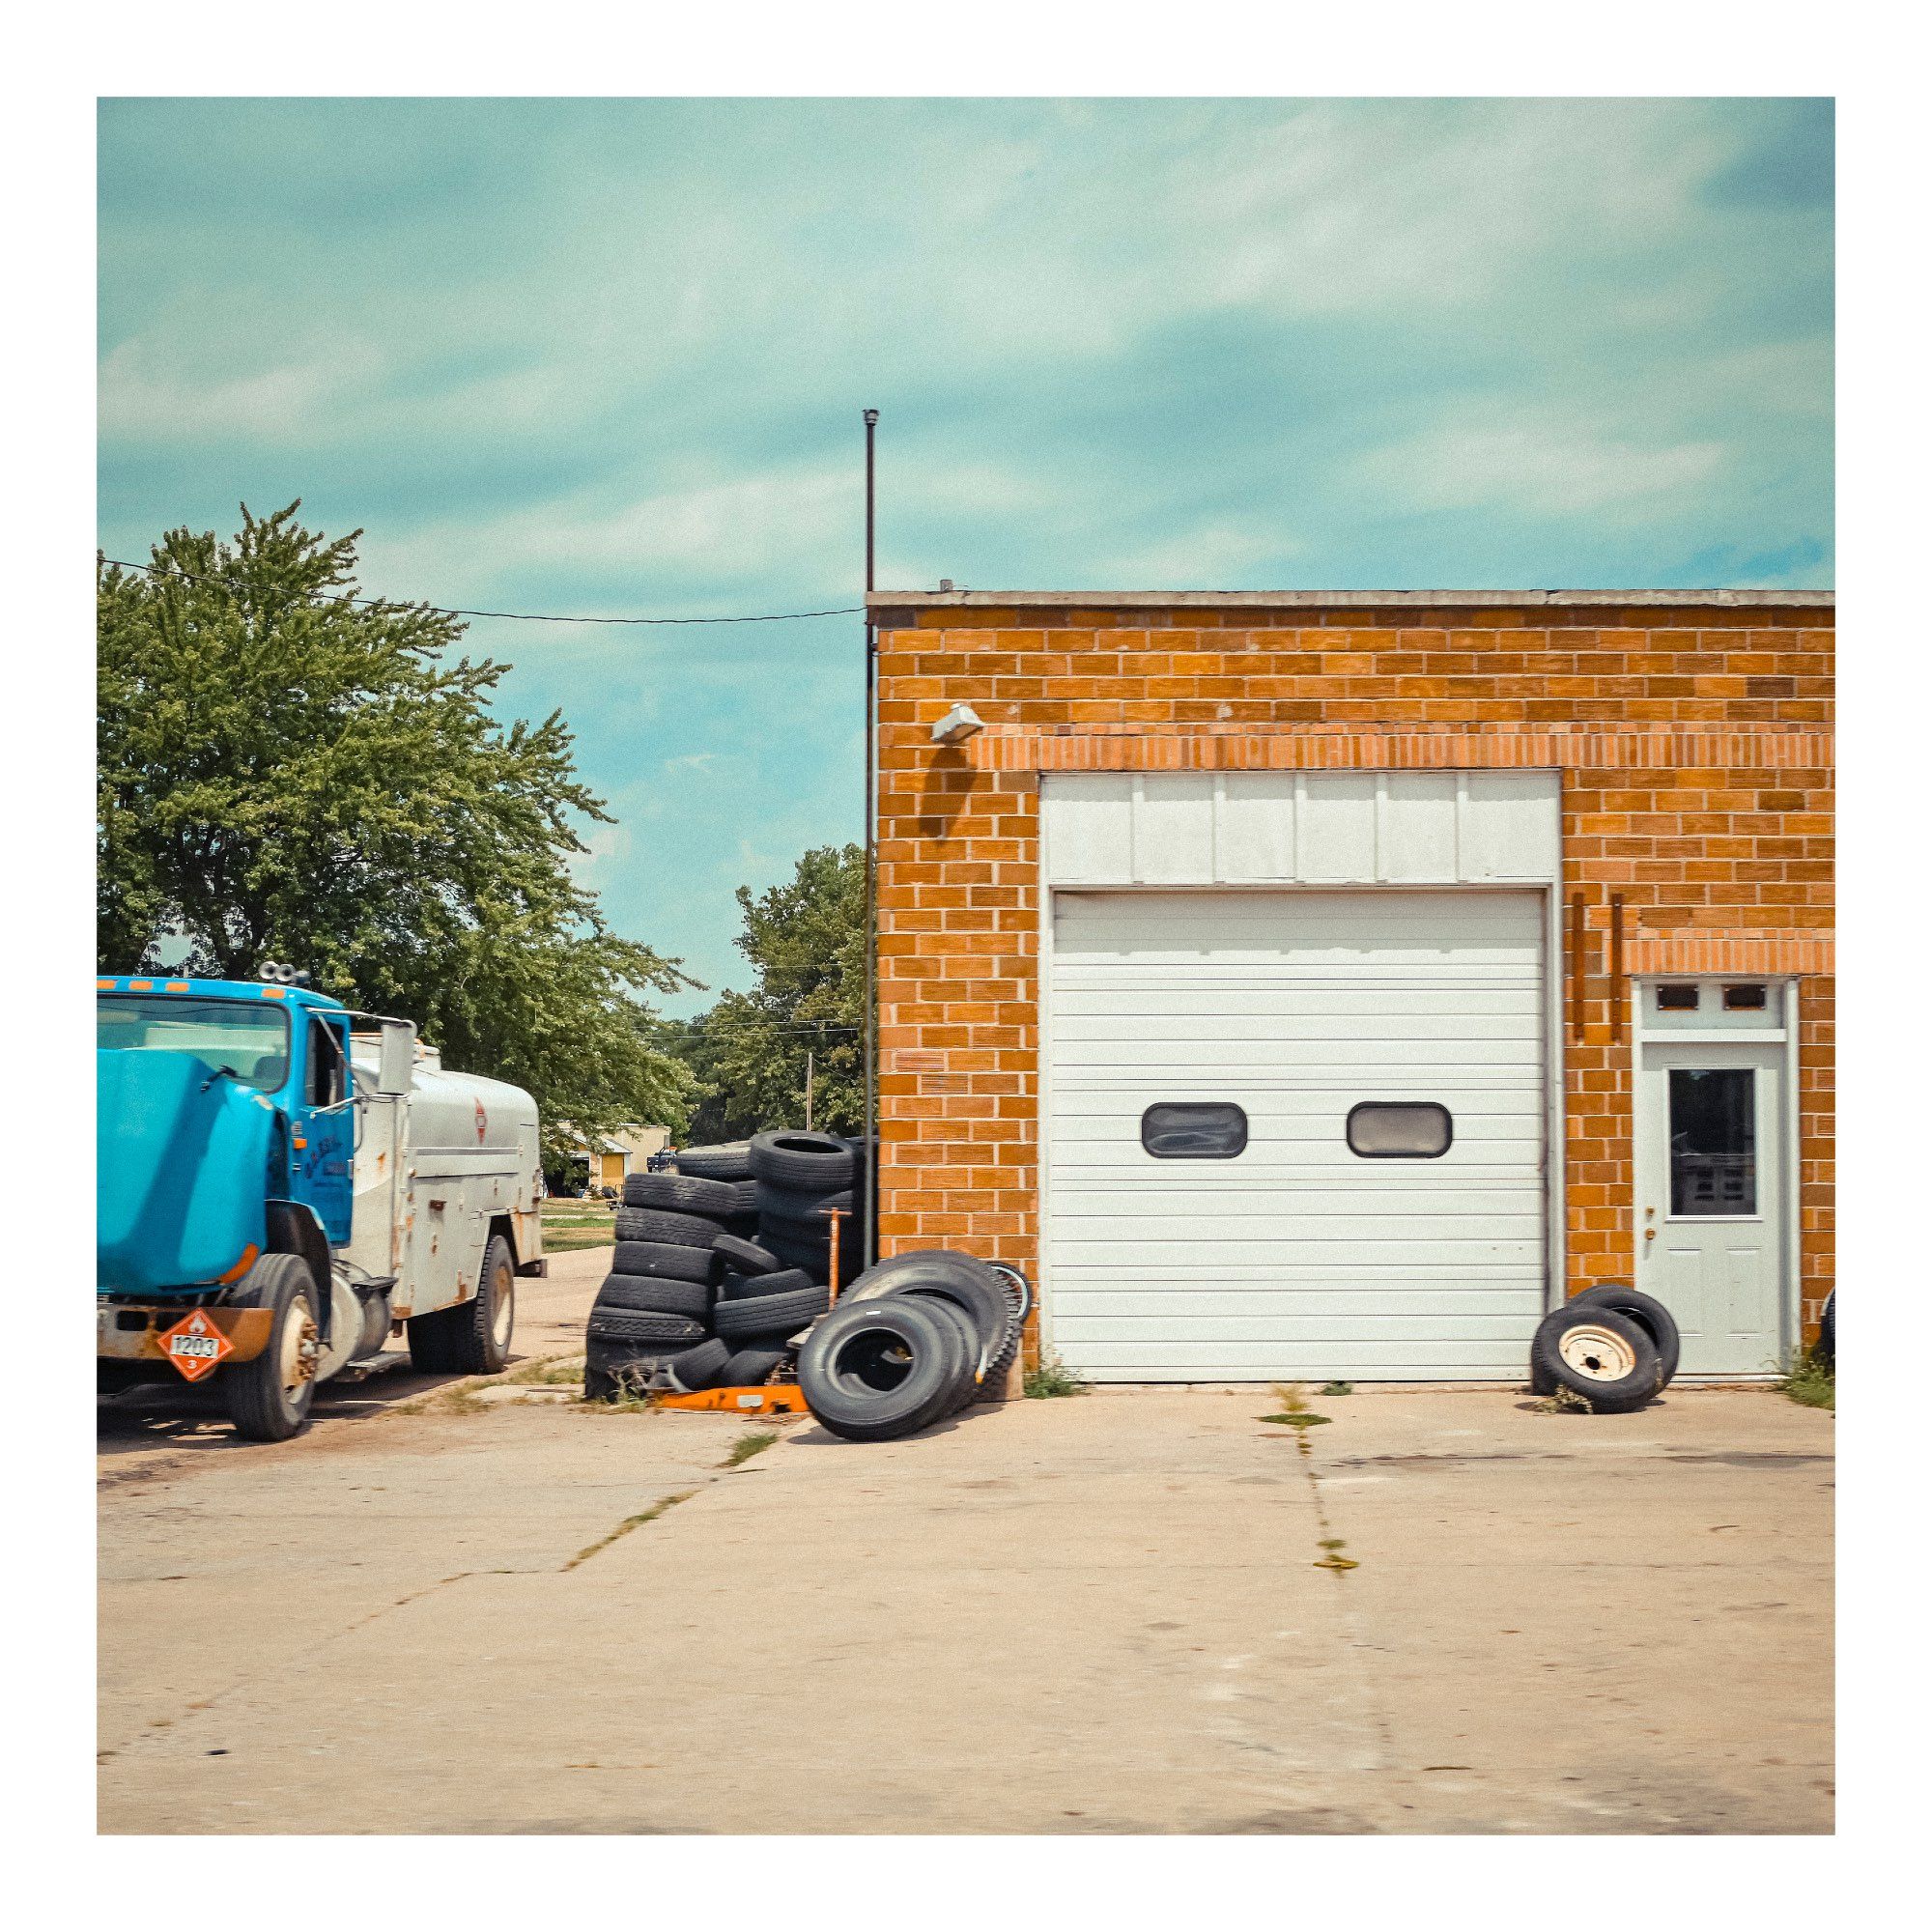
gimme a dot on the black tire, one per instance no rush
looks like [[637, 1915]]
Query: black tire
[[729, 1161], [1827, 1329], [268, 1399], [793, 1208], [659, 1257], [1599, 1354], [742, 1258], [1019, 1305], [744, 1201], [749, 1287], [657, 1294], [676, 1231], [809, 1258], [612, 1368], [805, 1163], [763, 1315], [972, 1348], [642, 1326], [699, 1368], [971, 1283], [473, 1337], [1647, 1312], [876, 1370], [750, 1366], [681, 1194]]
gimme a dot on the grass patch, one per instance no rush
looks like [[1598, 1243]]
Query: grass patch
[[629, 1523], [749, 1445], [1051, 1378], [556, 1372], [1812, 1379], [1336, 1388], [1295, 1411], [577, 1225]]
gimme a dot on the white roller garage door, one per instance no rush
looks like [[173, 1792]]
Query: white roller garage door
[[1297, 1257]]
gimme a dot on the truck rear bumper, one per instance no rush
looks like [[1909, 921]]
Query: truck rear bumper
[[541, 1265], [131, 1332]]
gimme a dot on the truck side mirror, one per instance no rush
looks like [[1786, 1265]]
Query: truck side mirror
[[397, 1066]]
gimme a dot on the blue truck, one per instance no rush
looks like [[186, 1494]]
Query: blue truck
[[283, 1185]]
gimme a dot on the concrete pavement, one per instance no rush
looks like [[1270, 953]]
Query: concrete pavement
[[1117, 1612]]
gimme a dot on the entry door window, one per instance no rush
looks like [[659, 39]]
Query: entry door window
[[1713, 1141]]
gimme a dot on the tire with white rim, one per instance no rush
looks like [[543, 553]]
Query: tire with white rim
[[269, 1398], [1597, 1353]]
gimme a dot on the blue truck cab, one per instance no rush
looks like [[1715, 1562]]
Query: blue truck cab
[[230, 1117]]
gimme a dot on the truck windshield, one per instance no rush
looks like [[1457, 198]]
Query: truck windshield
[[251, 1041]]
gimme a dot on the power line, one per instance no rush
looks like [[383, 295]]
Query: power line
[[513, 616]]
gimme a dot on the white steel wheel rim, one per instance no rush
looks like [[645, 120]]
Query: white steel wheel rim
[[298, 1351], [504, 1309], [1599, 1354]]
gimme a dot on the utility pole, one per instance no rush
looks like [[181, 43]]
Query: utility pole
[[869, 1249], [807, 1090]]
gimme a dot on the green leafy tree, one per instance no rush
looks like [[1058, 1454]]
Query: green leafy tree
[[805, 940], [287, 774]]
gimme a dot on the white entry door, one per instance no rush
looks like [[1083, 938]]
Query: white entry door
[[1710, 1200]]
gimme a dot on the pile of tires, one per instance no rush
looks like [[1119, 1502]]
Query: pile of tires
[[1613, 1345], [912, 1342], [799, 1176], [694, 1300]]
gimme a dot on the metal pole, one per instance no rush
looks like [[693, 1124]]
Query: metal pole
[[807, 1090], [869, 1246]]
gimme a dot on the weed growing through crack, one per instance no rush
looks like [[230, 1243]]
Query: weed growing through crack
[[1334, 1559], [749, 1445], [1812, 1380], [1052, 1377], [1563, 1399], [556, 1372], [1295, 1409], [629, 1523], [1336, 1388]]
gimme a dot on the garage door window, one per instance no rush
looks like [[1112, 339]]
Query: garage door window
[[1400, 1130], [1194, 1130]]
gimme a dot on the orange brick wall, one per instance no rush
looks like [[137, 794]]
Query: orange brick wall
[[1695, 753]]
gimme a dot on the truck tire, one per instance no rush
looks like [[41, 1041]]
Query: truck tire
[[269, 1398], [960, 1278], [699, 1368], [658, 1294], [481, 1328], [969, 1341], [661, 1258], [1597, 1353], [645, 1327], [742, 1257], [805, 1163], [614, 1368], [749, 1287], [731, 1160], [1647, 1312], [681, 1194], [876, 1370], [677, 1231], [762, 1317], [750, 1366]]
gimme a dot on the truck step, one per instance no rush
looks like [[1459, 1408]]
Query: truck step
[[371, 1365]]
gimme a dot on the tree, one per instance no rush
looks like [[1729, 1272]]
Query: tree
[[807, 941], [286, 774]]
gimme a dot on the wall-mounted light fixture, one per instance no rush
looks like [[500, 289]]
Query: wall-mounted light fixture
[[957, 725]]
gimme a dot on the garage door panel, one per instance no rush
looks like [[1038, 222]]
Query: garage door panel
[[1297, 1254]]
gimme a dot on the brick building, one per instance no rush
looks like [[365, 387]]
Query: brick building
[[1308, 983]]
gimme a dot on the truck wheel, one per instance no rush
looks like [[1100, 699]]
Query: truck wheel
[[480, 1329], [269, 1398]]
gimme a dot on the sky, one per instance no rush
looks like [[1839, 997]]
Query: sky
[[609, 357]]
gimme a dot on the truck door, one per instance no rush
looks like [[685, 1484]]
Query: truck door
[[324, 1126]]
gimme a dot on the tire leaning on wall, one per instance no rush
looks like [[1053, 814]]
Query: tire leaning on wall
[[1597, 1353], [1647, 1312]]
